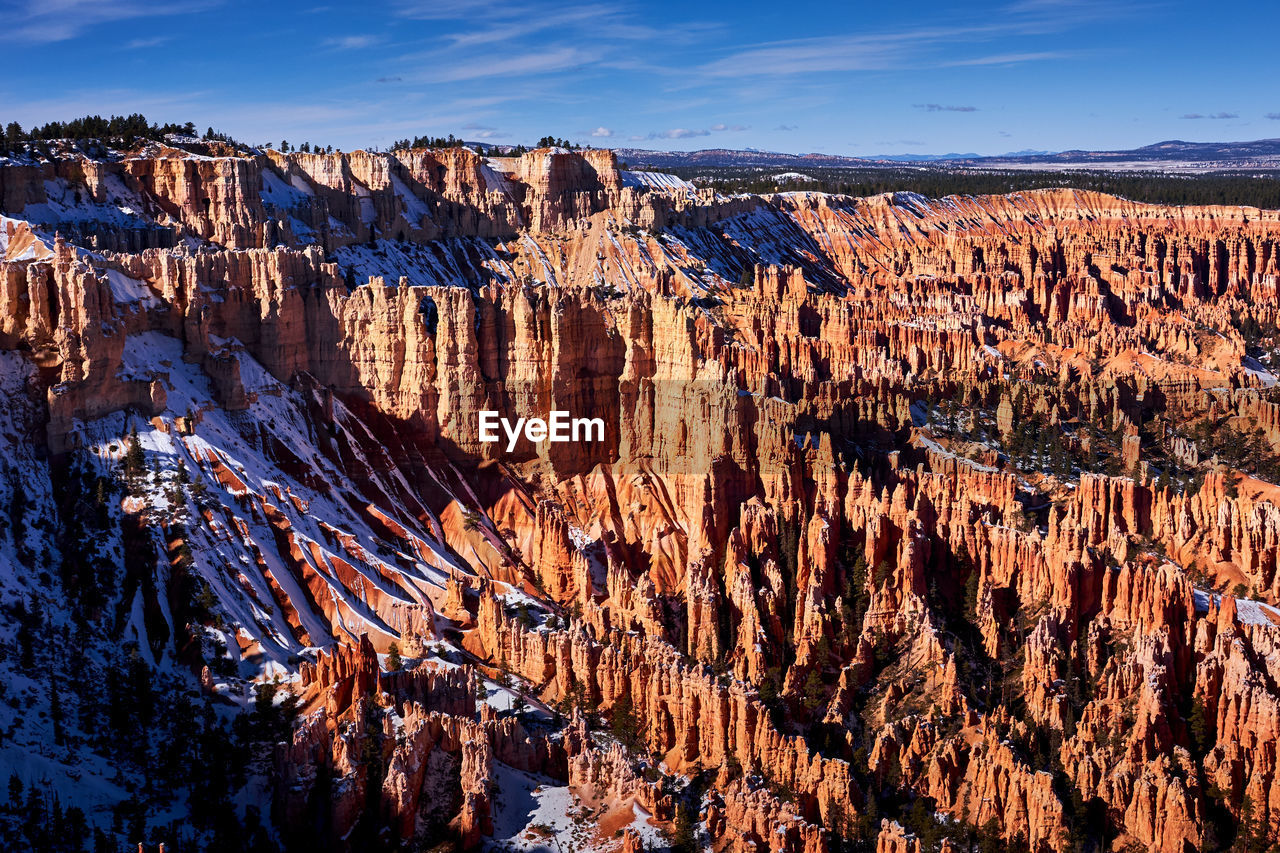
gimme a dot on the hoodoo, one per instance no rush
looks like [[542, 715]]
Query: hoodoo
[[887, 523]]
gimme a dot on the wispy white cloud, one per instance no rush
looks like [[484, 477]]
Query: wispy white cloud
[[493, 40], [690, 133], [679, 133], [505, 31], [945, 108], [144, 43], [1012, 58], [602, 133], [1079, 11], [806, 56], [476, 130], [353, 42], [533, 62], [47, 21], [932, 46], [444, 10]]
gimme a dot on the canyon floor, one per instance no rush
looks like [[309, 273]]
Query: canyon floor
[[916, 525]]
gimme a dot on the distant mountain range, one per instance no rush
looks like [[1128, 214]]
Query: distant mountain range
[[934, 158], [720, 157], [1172, 155]]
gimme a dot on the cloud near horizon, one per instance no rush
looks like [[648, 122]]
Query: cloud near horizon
[[944, 108], [690, 133]]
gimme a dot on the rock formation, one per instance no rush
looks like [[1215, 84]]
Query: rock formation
[[913, 522]]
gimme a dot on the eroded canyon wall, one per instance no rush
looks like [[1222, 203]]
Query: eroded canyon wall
[[901, 507]]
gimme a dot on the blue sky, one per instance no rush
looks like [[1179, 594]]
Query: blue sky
[[841, 78]]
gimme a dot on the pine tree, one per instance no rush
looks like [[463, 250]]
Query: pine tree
[[624, 725], [814, 693], [26, 638], [1201, 728], [971, 594], [394, 663], [884, 571], [134, 459], [57, 714], [684, 831]]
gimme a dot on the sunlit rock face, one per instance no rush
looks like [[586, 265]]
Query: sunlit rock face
[[911, 522]]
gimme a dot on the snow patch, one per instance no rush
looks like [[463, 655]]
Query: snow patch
[[657, 181], [131, 291]]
